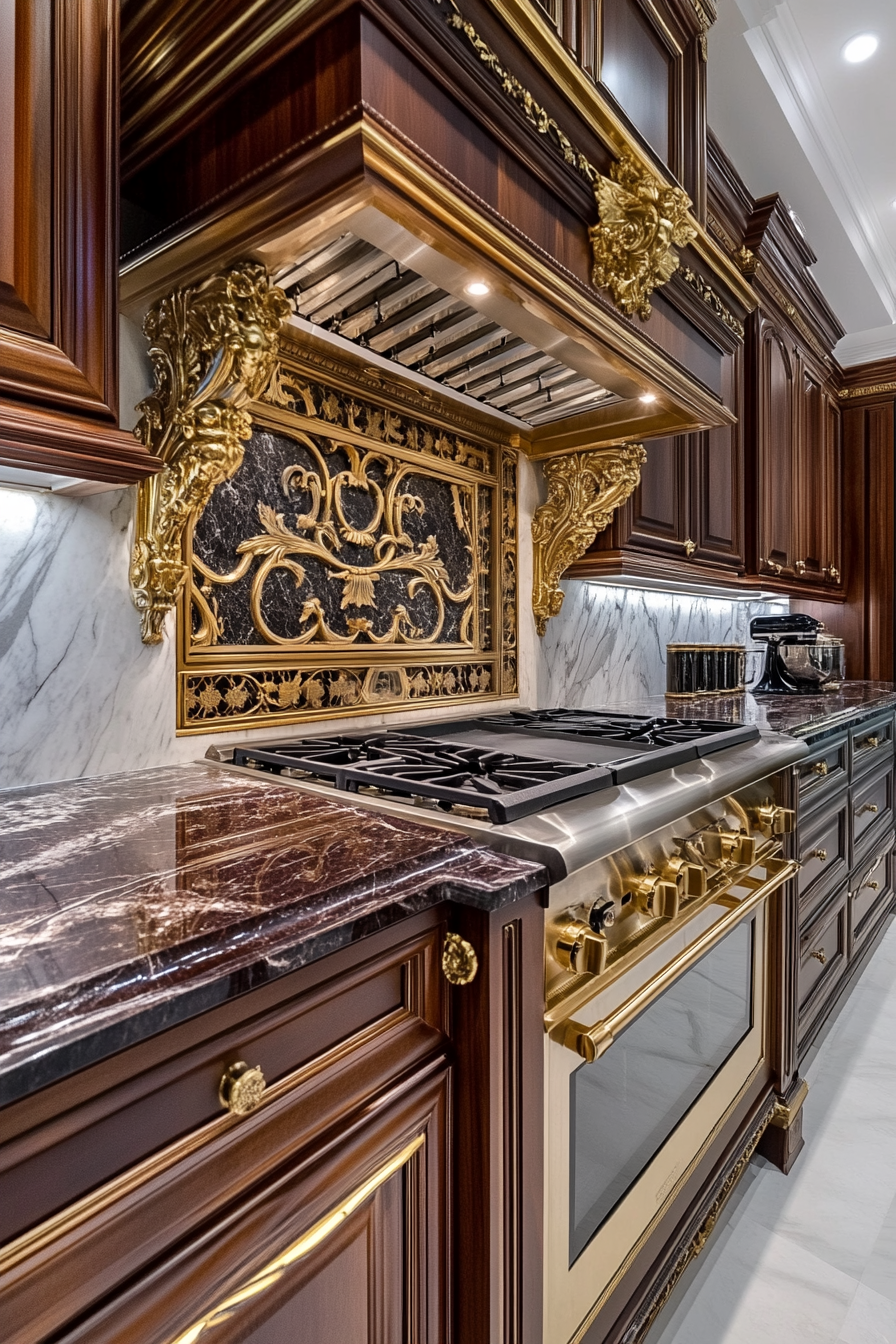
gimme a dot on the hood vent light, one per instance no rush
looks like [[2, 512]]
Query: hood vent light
[[354, 290]]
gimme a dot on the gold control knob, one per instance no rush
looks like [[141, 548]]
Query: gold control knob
[[819, 956], [820, 854], [820, 768], [866, 807], [656, 896], [774, 820], [241, 1088], [731, 847], [577, 947], [690, 877]]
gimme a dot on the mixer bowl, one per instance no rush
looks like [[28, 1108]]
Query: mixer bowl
[[814, 666]]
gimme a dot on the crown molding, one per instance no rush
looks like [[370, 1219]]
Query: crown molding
[[784, 60], [866, 347]]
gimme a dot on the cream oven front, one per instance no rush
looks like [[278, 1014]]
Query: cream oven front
[[655, 1029]]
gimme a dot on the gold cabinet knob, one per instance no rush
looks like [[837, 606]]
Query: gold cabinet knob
[[689, 547], [800, 567], [833, 573], [241, 1088], [820, 854], [869, 743], [820, 768], [772, 566], [459, 960], [866, 807], [819, 956]]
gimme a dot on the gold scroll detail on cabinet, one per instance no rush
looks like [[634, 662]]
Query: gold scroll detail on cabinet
[[641, 223], [213, 347], [584, 490]]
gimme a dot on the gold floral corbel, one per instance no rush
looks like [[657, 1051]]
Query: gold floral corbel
[[584, 490], [213, 347], [642, 221]]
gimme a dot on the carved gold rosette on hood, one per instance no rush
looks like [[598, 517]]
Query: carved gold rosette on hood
[[642, 221], [213, 348], [361, 558]]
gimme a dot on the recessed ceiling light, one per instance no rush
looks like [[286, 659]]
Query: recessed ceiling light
[[648, 397], [478, 287], [860, 48]]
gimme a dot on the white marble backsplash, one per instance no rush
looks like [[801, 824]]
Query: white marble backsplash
[[609, 643]]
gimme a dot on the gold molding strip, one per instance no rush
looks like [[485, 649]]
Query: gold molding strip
[[273, 1271], [872, 390], [584, 489], [711, 299], [213, 347]]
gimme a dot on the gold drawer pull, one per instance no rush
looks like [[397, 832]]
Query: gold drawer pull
[[820, 854], [866, 807], [873, 886], [459, 960], [819, 956], [820, 768], [800, 567], [241, 1088], [869, 743], [689, 547], [833, 573]]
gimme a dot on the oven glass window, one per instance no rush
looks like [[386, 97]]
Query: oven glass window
[[626, 1104]]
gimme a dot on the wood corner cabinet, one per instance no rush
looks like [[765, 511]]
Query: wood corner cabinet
[[58, 242]]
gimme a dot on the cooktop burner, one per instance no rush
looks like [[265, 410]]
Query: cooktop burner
[[482, 780], [500, 766]]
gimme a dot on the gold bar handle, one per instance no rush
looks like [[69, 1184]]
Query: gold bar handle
[[866, 807], [592, 1042]]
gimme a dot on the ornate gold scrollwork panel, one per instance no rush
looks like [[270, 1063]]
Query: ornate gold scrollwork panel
[[213, 347], [584, 490]]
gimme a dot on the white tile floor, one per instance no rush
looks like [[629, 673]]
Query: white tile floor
[[812, 1256]]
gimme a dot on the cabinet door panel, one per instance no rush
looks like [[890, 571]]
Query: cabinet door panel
[[776, 483], [811, 484], [659, 504], [716, 482]]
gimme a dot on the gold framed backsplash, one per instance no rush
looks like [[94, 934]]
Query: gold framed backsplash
[[363, 558]]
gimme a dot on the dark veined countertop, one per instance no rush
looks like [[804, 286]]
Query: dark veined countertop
[[131, 902]]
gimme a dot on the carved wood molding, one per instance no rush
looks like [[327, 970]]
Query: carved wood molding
[[213, 348], [584, 490]]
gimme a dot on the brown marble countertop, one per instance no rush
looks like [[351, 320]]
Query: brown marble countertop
[[807, 716], [130, 902]]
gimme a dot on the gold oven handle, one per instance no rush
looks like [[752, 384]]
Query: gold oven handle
[[592, 1042]]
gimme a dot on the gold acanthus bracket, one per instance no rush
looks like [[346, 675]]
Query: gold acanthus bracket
[[584, 490], [642, 221], [213, 347]]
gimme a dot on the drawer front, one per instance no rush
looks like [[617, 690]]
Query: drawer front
[[825, 770], [823, 851], [872, 810], [871, 742], [871, 891], [824, 947]]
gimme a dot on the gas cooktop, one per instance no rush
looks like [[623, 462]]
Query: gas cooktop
[[499, 767]]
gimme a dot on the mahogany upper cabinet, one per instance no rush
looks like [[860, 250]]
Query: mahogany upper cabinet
[[793, 419], [59, 242], [649, 56]]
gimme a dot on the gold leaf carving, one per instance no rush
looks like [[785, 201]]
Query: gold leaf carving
[[213, 347], [641, 223], [712, 300], [584, 490]]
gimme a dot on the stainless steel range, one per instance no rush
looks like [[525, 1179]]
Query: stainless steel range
[[663, 841]]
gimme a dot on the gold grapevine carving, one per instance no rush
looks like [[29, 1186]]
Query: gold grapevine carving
[[641, 223], [213, 347], [584, 490], [712, 300]]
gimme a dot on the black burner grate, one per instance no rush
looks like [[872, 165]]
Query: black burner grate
[[501, 785]]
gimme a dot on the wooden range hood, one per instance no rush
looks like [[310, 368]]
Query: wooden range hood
[[462, 142]]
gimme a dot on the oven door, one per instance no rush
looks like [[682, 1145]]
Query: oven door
[[673, 1045]]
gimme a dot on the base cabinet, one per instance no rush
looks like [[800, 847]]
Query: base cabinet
[[845, 838]]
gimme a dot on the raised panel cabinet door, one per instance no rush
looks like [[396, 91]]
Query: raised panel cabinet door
[[658, 511], [833, 493], [775, 454], [811, 482], [716, 509], [59, 240]]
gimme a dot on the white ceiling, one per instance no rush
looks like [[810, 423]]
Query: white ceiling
[[796, 118]]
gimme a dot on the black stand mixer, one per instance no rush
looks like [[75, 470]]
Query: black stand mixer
[[799, 658]]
